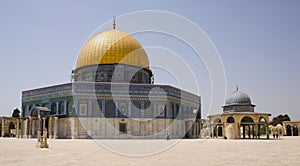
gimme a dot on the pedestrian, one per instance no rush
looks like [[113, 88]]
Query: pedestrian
[[168, 135]]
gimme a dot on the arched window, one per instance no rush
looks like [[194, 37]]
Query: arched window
[[176, 110], [230, 120], [262, 120], [83, 107], [53, 108], [122, 110], [161, 109], [135, 107], [97, 108], [148, 109], [62, 107], [110, 109], [247, 119]]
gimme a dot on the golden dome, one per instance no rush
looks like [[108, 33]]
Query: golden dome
[[112, 47]]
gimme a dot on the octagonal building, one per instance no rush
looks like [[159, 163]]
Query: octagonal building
[[112, 95]]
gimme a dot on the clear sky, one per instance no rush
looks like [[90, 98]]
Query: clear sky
[[258, 41]]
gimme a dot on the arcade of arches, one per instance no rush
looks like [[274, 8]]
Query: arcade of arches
[[8, 127], [291, 128], [239, 125]]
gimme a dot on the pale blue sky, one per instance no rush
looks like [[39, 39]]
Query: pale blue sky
[[258, 41]]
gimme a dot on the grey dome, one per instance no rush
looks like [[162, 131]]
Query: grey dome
[[238, 97]]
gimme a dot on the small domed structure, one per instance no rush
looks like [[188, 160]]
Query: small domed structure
[[238, 97], [238, 102]]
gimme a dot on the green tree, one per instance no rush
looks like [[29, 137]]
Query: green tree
[[279, 119], [16, 113]]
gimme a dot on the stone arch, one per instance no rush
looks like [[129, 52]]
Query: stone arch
[[220, 131], [262, 126], [34, 113], [262, 120], [230, 119], [247, 119], [11, 127], [217, 127], [288, 130], [247, 127], [295, 131]]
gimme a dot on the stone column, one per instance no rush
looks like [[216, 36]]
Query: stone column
[[256, 130], [55, 127], [75, 127], [30, 127], [238, 131], [2, 128], [195, 129], [44, 124], [26, 128], [212, 129], [128, 126], [18, 128], [50, 127], [253, 131], [249, 131], [21, 128], [223, 130], [267, 131], [72, 123]]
